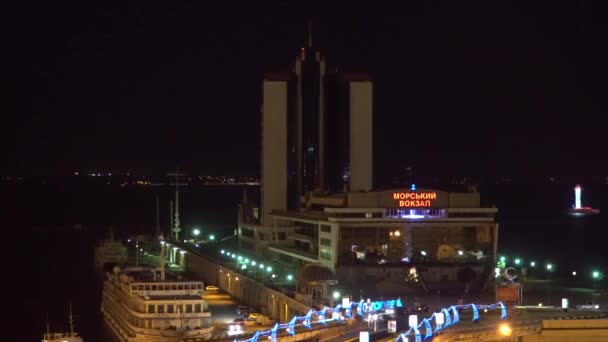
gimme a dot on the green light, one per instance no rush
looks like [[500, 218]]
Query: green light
[[239, 258], [261, 266], [503, 259], [289, 277], [268, 269], [243, 267], [253, 263], [196, 232], [246, 260], [211, 237], [517, 261], [595, 274], [233, 255]]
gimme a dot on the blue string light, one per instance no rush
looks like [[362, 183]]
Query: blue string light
[[361, 306]]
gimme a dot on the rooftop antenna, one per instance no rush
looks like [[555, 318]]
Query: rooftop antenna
[[48, 328], [157, 218], [170, 216], [162, 260], [176, 228], [310, 33], [71, 321]]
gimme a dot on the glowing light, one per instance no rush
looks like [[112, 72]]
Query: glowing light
[[268, 269], [289, 277], [397, 233], [505, 330], [549, 267], [196, 232], [577, 197], [261, 266], [503, 259], [243, 267], [532, 263], [423, 253], [223, 251], [211, 237], [413, 187], [573, 273], [461, 253], [246, 260], [253, 263], [595, 274], [336, 295], [517, 261], [239, 258]]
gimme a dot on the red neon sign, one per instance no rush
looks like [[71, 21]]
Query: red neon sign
[[414, 199]]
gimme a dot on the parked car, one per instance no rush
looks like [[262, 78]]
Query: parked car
[[212, 288], [259, 318]]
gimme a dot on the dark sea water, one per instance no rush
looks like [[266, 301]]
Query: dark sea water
[[50, 264]]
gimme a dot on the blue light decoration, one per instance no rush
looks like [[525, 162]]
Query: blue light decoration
[[437, 326], [402, 337], [368, 308], [360, 308], [292, 325], [456, 315], [503, 310], [413, 187], [475, 313], [307, 318], [448, 319], [273, 332], [428, 328], [322, 315]]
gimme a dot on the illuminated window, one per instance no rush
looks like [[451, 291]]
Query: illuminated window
[[325, 254], [368, 215]]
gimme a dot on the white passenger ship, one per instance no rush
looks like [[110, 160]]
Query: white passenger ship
[[139, 304]]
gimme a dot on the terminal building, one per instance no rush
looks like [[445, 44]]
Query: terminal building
[[317, 202]]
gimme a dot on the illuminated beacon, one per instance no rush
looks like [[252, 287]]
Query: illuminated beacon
[[577, 209]]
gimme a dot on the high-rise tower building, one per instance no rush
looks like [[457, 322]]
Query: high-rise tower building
[[316, 132]]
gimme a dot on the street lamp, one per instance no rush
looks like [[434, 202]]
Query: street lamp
[[532, 263], [549, 267], [595, 275], [211, 237], [505, 330], [289, 277], [336, 294], [517, 261], [196, 232]]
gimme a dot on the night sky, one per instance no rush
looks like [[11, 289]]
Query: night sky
[[459, 87]]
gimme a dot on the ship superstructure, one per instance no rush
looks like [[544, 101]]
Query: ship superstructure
[[142, 304]]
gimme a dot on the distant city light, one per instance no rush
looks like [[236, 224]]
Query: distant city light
[[289, 277], [573, 273], [460, 253], [505, 330], [532, 263], [253, 263], [211, 237], [196, 232], [503, 259], [223, 251], [577, 197], [413, 187], [268, 269], [517, 261], [423, 253], [595, 274], [336, 295], [549, 267]]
